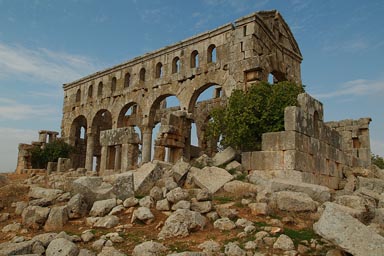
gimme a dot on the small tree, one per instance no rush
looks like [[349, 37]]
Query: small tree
[[50, 153], [378, 161], [251, 113]]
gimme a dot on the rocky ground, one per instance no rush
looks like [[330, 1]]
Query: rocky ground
[[208, 207]]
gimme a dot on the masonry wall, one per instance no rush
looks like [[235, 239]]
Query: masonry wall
[[230, 57], [309, 150]]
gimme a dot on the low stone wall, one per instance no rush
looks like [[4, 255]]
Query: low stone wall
[[308, 150]]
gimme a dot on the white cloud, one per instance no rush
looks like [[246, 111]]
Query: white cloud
[[42, 65], [13, 110], [354, 88], [10, 139]]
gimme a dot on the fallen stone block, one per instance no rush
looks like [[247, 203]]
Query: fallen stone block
[[348, 233], [21, 248], [181, 222], [93, 189], [102, 207], [179, 170], [123, 186], [34, 216], [44, 193], [146, 176], [62, 247], [376, 185], [57, 218], [240, 188], [109, 221], [293, 201], [224, 157], [316, 192], [210, 178]]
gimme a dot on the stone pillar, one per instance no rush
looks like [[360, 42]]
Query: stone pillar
[[103, 161], [43, 136], [124, 158], [117, 157], [159, 153], [147, 144], [89, 153]]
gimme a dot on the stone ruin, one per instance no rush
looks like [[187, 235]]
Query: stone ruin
[[109, 116]]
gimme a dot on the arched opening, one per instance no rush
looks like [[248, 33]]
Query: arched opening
[[100, 89], [129, 115], [142, 74], [159, 70], [168, 129], [275, 77], [127, 80], [194, 59], [90, 91], [78, 139], [176, 65], [101, 122], [202, 102], [113, 84], [211, 53], [78, 95]]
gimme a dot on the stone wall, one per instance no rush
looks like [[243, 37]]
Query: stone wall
[[310, 150], [132, 93]]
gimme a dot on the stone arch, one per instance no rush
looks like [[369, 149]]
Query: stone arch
[[101, 121], [211, 54], [276, 76], [176, 65], [100, 89], [219, 93], [194, 59], [90, 91], [78, 125], [159, 70], [113, 84], [130, 115], [78, 95], [127, 80], [142, 74]]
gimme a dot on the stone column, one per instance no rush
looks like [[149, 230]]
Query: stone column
[[124, 158], [147, 145], [43, 136], [89, 152], [117, 157], [103, 161]]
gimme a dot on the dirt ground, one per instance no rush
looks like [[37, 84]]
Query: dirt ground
[[137, 233]]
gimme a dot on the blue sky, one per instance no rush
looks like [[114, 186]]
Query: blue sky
[[45, 43]]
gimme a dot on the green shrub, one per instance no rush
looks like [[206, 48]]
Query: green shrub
[[251, 113], [51, 152], [378, 161]]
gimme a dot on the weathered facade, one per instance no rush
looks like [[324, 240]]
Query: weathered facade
[[310, 150], [133, 93]]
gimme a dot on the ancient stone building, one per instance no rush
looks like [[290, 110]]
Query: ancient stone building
[[110, 115], [310, 150]]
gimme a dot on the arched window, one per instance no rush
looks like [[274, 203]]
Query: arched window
[[127, 80], [159, 70], [100, 89], [78, 95], [90, 91], [194, 59], [211, 53], [142, 74], [113, 84], [176, 65]]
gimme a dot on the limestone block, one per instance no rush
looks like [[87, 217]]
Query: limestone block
[[9, 248], [246, 160], [376, 185], [146, 176], [93, 189], [180, 169], [348, 233], [224, 157], [240, 188], [34, 216], [149, 248], [316, 192], [123, 185], [210, 178], [50, 194], [267, 160], [293, 201], [57, 218]]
